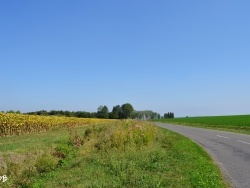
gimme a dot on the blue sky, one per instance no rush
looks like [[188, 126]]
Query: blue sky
[[189, 57]]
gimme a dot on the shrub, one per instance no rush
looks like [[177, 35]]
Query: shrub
[[46, 163], [122, 135], [75, 139], [62, 150]]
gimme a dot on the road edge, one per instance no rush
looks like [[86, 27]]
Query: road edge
[[228, 181]]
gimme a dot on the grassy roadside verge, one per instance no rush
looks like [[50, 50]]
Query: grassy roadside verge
[[122, 154], [239, 123]]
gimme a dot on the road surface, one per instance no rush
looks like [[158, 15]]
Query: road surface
[[230, 150]]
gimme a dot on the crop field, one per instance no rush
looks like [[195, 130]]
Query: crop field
[[116, 154], [16, 124], [238, 123]]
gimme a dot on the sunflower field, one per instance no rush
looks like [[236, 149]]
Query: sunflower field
[[15, 124]]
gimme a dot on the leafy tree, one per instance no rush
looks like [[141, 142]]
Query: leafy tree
[[68, 114], [103, 112], [41, 112], [111, 115], [169, 115], [126, 111], [13, 112], [116, 112], [146, 114], [53, 112]]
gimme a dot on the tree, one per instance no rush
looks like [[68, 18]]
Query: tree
[[169, 115], [13, 112], [126, 111], [166, 115], [145, 115], [116, 112], [111, 115], [103, 112]]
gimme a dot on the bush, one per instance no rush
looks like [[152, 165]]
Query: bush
[[122, 135], [75, 139], [46, 163], [62, 151]]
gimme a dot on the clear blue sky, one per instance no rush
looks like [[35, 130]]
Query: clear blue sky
[[189, 57]]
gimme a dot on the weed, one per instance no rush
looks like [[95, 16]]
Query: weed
[[122, 154], [46, 163], [62, 151], [75, 139]]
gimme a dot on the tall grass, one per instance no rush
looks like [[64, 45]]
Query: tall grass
[[122, 135], [121, 154]]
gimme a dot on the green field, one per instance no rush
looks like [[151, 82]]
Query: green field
[[121, 154], [237, 123]]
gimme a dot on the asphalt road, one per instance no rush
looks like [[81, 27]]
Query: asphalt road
[[231, 151]]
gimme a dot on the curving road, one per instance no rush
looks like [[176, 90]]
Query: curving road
[[230, 150]]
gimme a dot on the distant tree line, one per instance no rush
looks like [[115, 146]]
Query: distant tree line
[[80, 114], [169, 115], [12, 112], [123, 111]]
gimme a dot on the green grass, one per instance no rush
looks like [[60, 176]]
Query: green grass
[[123, 154], [237, 123]]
